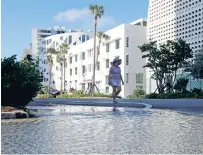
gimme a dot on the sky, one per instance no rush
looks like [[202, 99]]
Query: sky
[[20, 16]]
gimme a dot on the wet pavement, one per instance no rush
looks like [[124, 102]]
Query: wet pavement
[[76, 129]]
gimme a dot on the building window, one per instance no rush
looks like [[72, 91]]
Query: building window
[[46, 79], [57, 68], [70, 39], [98, 65], [83, 86], [89, 53], [107, 89], [70, 72], [44, 69], [53, 82], [87, 37], [127, 77], [70, 60], [76, 58], [127, 59], [127, 41], [107, 80], [117, 44], [83, 56], [76, 71], [139, 78], [83, 38], [107, 63], [89, 67], [107, 47], [83, 69]]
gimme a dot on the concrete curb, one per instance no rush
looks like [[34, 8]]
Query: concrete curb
[[14, 114]]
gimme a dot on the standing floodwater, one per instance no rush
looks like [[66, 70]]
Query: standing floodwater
[[99, 130]]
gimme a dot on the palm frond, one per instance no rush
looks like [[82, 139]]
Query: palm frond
[[97, 10], [101, 35], [92, 8]]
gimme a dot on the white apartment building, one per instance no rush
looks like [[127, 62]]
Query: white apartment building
[[73, 38], [173, 19], [39, 34], [123, 43]]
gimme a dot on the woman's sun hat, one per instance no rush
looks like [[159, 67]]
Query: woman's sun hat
[[117, 60]]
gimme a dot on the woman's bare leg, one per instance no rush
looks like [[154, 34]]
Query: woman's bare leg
[[114, 93], [118, 92]]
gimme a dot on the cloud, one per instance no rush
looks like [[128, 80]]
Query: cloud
[[75, 15], [71, 15]]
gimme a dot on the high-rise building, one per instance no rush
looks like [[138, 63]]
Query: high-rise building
[[174, 19], [39, 34], [26, 51], [123, 43]]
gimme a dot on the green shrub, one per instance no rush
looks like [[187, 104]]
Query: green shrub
[[152, 96], [181, 85], [175, 95], [138, 93], [43, 96], [80, 95], [20, 81]]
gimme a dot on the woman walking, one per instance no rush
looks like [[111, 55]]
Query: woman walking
[[115, 78]]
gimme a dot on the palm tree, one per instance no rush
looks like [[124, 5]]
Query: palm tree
[[50, 53], [101, 36], [61, 58], [97, 11]]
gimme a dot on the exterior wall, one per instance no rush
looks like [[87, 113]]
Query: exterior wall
[[137, 37], [84, 79], [169, 20]]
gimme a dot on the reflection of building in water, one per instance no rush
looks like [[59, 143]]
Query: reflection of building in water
[[173, 19]]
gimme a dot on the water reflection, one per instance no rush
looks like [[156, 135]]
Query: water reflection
[[100, 130]]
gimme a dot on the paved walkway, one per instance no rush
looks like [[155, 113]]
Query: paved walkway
[[156, 103]]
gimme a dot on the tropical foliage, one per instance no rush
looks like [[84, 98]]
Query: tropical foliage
[[196, 68], [61, 58], [50, 53], [20, 81], [97, 11], [165, 60]]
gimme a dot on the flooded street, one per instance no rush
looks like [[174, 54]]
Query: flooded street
[[100, 130]]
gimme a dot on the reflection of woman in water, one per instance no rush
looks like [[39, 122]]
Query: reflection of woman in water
[[115, 78]]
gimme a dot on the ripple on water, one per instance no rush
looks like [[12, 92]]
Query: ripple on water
[[99, 130]]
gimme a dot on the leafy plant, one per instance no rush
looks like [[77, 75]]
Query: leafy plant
[[43, 96], [196, 69], [20, 81], [165, 60], [137, 93], [181, 85]]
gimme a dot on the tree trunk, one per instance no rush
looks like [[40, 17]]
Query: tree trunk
[[93, 77], [61, 77], [64, 75], [50, 72], [98, 51]]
